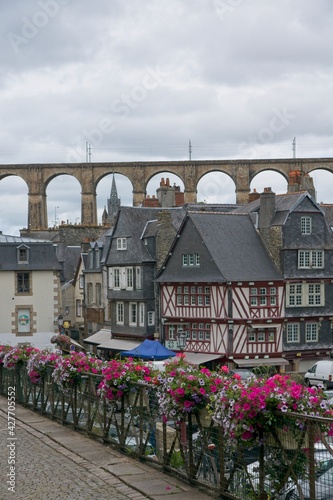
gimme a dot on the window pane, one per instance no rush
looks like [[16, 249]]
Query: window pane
[[23, 282]]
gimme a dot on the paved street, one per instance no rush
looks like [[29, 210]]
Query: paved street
[[52, 461]]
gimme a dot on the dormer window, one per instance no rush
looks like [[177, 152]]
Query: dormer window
[[191, 260], [121, 243], [23, 255], [306, 225]]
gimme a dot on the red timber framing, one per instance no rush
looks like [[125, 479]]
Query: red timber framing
[[232, 319]]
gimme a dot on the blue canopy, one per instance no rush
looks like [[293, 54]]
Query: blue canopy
[[149, 349]]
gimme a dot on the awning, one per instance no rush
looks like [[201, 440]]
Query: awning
[[98, 337], [198, 358], [261, 362], [119, 344]]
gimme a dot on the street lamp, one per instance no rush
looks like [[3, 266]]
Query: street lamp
[[181, 338], [60, 323]]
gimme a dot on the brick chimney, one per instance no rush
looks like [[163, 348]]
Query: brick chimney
[[267, 208], [254, 195]]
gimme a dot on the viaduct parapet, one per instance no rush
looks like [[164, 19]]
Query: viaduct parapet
[[242, 172]]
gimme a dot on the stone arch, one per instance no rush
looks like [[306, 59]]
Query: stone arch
[[57, 207], [103, 193], [219, 188], [14, 198], [323, 181], [166, 179], [277, 181]]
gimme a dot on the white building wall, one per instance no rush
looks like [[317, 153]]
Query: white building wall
[[43, 302]]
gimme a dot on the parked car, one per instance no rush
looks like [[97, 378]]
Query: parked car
[[323, 488], [321, 373], [324, 465]]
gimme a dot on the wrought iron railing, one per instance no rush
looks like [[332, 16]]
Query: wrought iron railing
[[197, 450]]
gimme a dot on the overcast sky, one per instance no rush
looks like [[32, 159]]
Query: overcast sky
[[138, 79]]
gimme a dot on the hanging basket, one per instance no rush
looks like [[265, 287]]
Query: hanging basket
[[205, 418], [288, 439]]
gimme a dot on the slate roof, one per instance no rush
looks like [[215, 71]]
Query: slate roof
[[328, 211], [234, 245], [210, 207], [284, 204], [131, 223], [5, 238], [69, 257], [42, 254]]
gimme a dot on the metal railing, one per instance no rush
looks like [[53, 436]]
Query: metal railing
[[197, 451]]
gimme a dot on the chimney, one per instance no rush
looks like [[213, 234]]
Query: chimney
[[164, 236], [267, 208], [254, 196]]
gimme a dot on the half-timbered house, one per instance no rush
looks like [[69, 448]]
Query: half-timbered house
[[220, 286]]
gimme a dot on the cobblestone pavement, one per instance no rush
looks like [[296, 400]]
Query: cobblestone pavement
[[55, 462]]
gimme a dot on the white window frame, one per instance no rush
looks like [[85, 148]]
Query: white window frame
[[138, 281], [151, 318], [191, 260], [306, 225], [172, 332], [129, 278], [142, 309], [78, 308], [121, 243], [310, 259], [293, 333], [261, 336], [116, 278], [311, 332], [120, 313], [251, 335], [273, 296], [133, 314], [305, 295], [22, 254]]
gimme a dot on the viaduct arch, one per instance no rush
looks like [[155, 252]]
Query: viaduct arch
[[37, 177]]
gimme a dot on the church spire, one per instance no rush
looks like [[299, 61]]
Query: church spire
[[113, 202]]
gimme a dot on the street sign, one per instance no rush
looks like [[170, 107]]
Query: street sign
[[72, 347]]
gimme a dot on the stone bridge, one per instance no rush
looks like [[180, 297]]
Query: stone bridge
[[242, 172]]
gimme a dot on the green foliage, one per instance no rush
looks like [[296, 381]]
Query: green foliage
[[176, 459]]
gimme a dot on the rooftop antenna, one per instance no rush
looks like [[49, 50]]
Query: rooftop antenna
[[88, 152], [189, 149], [294, 147], [55, 217]]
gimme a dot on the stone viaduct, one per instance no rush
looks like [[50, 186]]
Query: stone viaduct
[[242, 172]]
